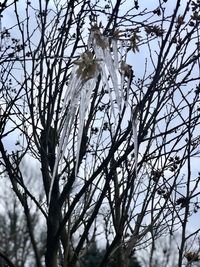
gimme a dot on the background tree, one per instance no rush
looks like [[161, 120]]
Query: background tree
[[16, 249], [105, 96], [94, 256]]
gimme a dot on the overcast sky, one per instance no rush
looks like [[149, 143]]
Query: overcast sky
[[136, 60]]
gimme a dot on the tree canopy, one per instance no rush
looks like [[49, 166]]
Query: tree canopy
[[103, 97]]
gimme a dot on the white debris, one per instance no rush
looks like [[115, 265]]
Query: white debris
[[97, 60]]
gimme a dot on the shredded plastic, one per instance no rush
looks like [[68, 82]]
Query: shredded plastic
[[98, 59]]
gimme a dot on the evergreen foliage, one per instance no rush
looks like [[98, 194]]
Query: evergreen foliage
[[94, 256]]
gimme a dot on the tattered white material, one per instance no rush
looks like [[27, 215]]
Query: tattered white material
[[115, 52], [84, 101], [103, 53], [114, 77], [104, 78], [77, 96], [79, 90], [135, 137], [68, 111]]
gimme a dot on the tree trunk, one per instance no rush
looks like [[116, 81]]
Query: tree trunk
[[52, 228]]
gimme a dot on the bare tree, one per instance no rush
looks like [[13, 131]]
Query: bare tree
[[16, 249], [105, 95]]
